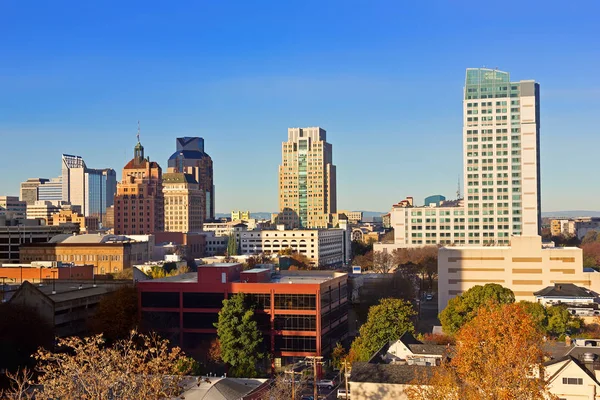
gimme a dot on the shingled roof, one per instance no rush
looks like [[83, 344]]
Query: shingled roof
[[388, 373], [564, 290]]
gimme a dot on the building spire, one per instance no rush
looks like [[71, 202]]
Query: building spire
[[138, 131], [458, 188]]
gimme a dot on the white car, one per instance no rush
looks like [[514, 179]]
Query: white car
[[341, 394], [326, 383]]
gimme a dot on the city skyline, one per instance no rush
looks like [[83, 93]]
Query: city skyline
[[240, 94]]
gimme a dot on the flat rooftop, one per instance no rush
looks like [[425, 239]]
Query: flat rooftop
[[284, 277]]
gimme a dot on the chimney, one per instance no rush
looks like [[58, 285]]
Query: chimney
[[588, 360], [568, 341]]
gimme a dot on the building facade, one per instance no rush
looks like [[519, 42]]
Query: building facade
[[29, 190], [12, 207], [67, 215], [139, 202], [51, 190], [501, 169], [190, 158], [92, 189], [107, 253], [307, 180], [323, 247], [13, 237], [300, 313], [240, 215], [524, 267], [183, 203]]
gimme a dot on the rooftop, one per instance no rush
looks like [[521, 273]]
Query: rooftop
[[89, 239], [66, 291], [564, 290], [388, 373], [284, 277], [215, 388]]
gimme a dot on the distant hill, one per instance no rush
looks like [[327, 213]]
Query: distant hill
[[571, 214]]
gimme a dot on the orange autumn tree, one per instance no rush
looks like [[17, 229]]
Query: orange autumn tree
[[498, 356]]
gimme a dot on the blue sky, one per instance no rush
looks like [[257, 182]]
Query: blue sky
[[384, 78]]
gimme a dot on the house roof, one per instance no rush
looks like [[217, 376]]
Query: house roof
[[88, 239], [564, 290], [434, 349], [219, 388], [389, 373], [574, 361]]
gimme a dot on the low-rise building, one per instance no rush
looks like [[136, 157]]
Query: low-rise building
[[12, 207], [324, 247], [524, 266], [215, 245], [107, 253], [39, 271], [301, 313], [189, 245], [15, 233], [564, 293], [68, 215], [66, 306]]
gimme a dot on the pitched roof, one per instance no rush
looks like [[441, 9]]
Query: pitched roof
[[564, 290], [435, 349], [388, 373]]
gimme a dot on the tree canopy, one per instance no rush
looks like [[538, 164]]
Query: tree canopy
[[239, 338], [498, 355], [116, 315], [461, 309], [387, 321]]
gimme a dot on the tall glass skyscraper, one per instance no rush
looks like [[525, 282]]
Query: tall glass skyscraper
[[91, 189]]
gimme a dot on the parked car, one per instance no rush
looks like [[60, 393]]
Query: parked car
[[429, 297], [326, 383], [307, 397], [341, 394]]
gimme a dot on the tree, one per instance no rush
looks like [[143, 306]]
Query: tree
[[232, 245], [338, 354], [463, 308], [116, 315], [555, 321], [140, 367], [386, 322], [22, 332], [498, 355], [239, 337], [383, 262], [590, 237], [281, 387], [561, 322], [591, 254], [214, 351], [365, 261]]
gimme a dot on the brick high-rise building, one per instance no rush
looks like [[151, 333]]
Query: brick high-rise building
[[190, 158], [307, 180], [139, 203]]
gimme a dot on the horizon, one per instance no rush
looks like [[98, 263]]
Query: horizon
[[80, 77]]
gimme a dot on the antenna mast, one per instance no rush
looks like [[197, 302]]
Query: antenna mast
[[458, 188]]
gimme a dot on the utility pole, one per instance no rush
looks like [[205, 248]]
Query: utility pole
[[314, 361], [346, 376], [293, 374]]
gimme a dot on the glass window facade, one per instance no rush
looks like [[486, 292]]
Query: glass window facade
[[295, 302]]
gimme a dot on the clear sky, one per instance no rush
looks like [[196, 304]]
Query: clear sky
[[384, 78]]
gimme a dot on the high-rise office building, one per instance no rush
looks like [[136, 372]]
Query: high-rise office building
[[307, 180], [51, 191], [183, 203], [501, 140], [190, 158], [501, 165], [92, 189], [139, 202], [29, 190]]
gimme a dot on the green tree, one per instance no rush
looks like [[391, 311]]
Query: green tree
[[232, 245], [239, 337], [386, 322], [561, 322], [538, 314], [463, 308], [337, 355]]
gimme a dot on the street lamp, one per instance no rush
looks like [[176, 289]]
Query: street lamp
[[54, 282]]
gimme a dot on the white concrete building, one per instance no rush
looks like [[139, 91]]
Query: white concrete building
[[12, 207], [524, 266], [321, 246], [501, 171]]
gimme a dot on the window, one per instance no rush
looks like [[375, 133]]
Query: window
[[572, 381]]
